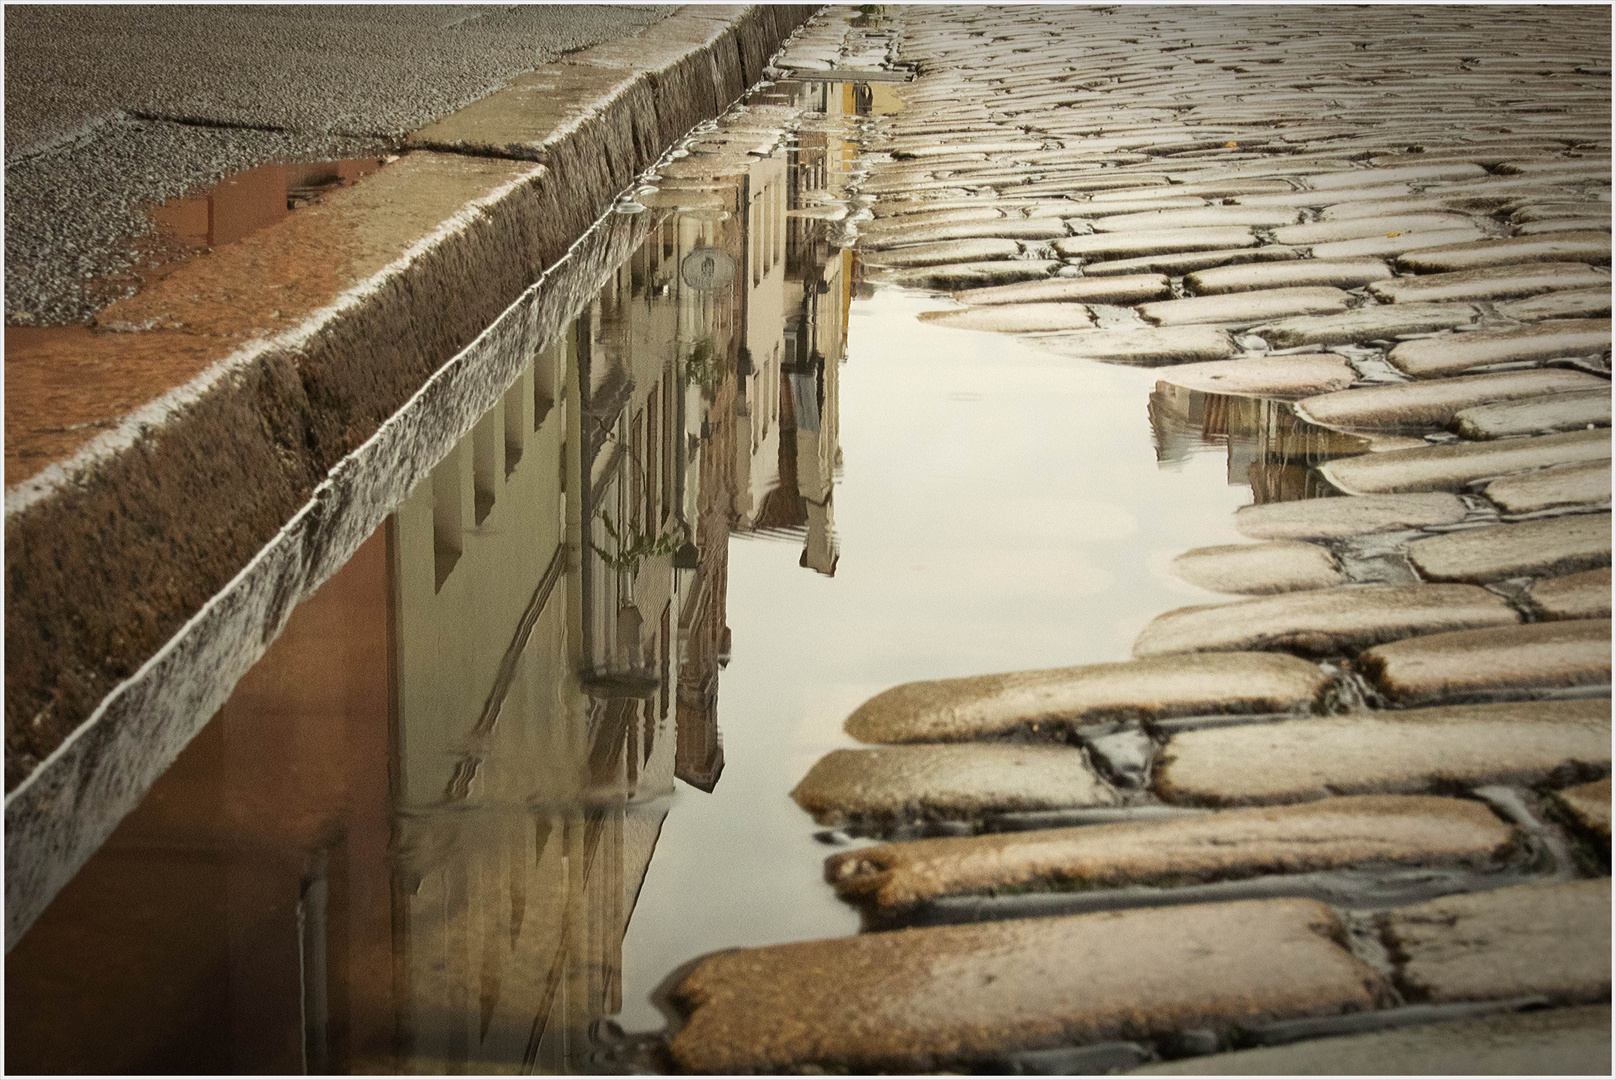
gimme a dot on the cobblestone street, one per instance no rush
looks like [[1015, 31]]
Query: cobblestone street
[[1355, 818]]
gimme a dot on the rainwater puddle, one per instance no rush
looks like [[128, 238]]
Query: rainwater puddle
[[531, 749]]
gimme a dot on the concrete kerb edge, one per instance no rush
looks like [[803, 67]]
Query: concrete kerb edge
[[138, 729]]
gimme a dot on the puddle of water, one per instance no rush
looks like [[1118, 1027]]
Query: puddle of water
[[475, 800], [245, 202]]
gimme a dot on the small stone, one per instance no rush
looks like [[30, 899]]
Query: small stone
[[1245, 309], [917, 1000], [1266, 376], [1128, 289], [891, 785], [1450, 354], [1513, 659], [1014, 318], [1053, 701], [1434, 403], [1344, 274], [1593, 247], [1589, 805], [1326, 835], [1550, 1042], [1357, 228], [1567, 411], [972, 275], [1570, 304], [1395, 751], [1377, 322], [1546, 548], [1310, 519], [1186, 262], [1200, 217], [1324, 621], [1498, 283], [1257, 569], [1574, 596], [941, 254], [1133, 243], [1453, 468], [1381, 246], [1165, 345], [1561, 486], [1551, 939]]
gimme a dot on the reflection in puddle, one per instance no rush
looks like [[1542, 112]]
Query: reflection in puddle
[[413, 839], [1269, 447], [250, 200]]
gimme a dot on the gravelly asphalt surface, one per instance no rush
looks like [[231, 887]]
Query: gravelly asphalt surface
[[112, 109]]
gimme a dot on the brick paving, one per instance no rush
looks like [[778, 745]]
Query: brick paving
[[1414, 204]]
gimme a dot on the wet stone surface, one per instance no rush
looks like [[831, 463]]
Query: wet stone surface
[[892, 785], [1575, 596], [1434, 403], [1369, 323], [1266, 376], [1350, 516], [1551, 939], [1452, 354], [1566, 411], [1224, 845], [1324, 621], [1589, 804], [1548, 548], [1416, 750], [916, 999], [1557, 487], [1453, 468], [1511, 660], [1245, 309], [1274, 567]]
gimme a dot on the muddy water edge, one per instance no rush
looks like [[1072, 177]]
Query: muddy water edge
[[475, 804]]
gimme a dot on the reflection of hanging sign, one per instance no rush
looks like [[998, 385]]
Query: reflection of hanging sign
[[707, 268]]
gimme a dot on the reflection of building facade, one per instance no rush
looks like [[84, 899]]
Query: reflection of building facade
[[476, 722], [1267, 445]]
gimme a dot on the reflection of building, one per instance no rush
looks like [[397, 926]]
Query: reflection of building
[[414, 838], [1268, 446]]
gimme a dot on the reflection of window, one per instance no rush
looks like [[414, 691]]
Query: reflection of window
[[485, 440], [514, 428], [447, 540]]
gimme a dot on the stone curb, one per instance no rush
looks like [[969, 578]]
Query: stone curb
[[461, 306]]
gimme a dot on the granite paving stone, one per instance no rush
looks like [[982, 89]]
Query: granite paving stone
[[1589, 247], [1455, 467], [1320, 622], [1494, 283], [1155, 345], [1341, 274], [914, 1000], [1433, 403], [1180, 263], [1548, 547], [1589, 805], [1557, 487], [1450, 354], [1258, 569], [1505, 660], [1126, 289], [1246, 308], [1292, 375], [1570, 304], [1375, 322], [1049, 702], [1395, 244], [1333, 197], [1356, 178], [1326, 835], [1133, 243], [1316, 519], [1563, 225], [1546, 1042], [970, 275], [1566, 411], [1357, 227], [946, 252], [1551, 939], [999, 228], [957, 780], [1204, 217], [1394, 751], [1014, 318], [1574, 596]]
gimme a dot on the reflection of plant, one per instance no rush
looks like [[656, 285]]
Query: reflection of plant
[[703, 367], [633, 545]]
